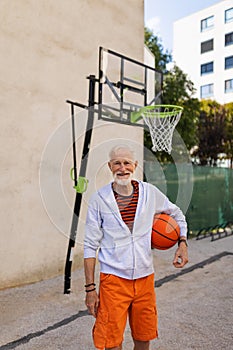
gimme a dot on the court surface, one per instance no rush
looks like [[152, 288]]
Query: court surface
[[195, 306]]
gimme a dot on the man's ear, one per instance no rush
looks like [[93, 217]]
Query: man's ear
[[136, 164], [109, 165]]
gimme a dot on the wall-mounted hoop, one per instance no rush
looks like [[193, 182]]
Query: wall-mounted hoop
[[161, 121]]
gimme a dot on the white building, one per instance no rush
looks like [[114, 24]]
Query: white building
[[203, 49]]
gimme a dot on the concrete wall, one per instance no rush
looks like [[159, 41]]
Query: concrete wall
[[48, 47]]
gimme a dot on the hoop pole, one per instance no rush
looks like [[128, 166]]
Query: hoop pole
[[74, 148], [82, 172]]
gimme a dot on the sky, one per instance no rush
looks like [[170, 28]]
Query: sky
[[160, 15]]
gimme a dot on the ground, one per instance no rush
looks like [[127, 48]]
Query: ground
[[195, 306]]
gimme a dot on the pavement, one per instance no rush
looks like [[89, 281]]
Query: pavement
[[195, 306]]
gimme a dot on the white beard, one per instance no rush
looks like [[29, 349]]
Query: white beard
[[123, 182]]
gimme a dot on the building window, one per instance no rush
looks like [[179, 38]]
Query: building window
[[207, 90], [229, 39], [207, 45], [207, 23], [229, 15], [207, 68], [229, 62], [229, 85]]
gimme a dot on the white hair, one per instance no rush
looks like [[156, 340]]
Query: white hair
[[115, 149]]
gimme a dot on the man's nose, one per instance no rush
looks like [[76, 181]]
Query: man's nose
[[122, 166]]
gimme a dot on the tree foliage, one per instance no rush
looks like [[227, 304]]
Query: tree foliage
[[177, 90], [211, 132], [155, 46]]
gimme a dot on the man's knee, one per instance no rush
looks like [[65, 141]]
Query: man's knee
[[141, 345]]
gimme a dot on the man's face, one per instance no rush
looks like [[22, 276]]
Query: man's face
[[122, 167]]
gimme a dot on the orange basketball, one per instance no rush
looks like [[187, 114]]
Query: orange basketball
[[165, 232]]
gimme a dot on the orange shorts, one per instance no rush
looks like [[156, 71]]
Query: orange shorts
[[120, 298]]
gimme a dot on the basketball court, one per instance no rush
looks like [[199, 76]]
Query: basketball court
[[40, 316], [122, 96]]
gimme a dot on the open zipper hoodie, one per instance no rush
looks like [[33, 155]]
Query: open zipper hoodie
[[120, 252]]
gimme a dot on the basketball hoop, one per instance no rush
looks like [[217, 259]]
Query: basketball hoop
[[161, 121]]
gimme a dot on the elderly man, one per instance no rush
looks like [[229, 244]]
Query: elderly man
[[118, 225]]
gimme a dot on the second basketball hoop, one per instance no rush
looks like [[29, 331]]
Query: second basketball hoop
[[161, 121]]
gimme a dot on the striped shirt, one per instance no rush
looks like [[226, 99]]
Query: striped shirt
[[128, 205]]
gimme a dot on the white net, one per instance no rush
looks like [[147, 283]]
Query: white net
[[161, 120]]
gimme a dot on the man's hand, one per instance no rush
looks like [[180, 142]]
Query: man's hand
[[181, 255], [92, 302]]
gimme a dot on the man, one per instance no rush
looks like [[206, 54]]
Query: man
[[119, 222]]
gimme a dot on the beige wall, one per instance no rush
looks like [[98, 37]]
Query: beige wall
[[48, 47]]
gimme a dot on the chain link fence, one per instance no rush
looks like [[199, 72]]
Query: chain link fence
[[211, 202]]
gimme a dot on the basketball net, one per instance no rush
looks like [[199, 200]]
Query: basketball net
[[161, 121]]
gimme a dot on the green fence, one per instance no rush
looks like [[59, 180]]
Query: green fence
[[205, 194]]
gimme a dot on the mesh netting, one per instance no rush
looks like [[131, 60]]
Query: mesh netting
[[161, 120]]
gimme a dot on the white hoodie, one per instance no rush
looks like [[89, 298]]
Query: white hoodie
[[122, 253]]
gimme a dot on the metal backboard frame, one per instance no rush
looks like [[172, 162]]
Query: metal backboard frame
[[125, 86]]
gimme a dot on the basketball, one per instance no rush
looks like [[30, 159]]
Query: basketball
[[165, 232]]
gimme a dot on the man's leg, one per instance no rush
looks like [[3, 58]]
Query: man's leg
[[115, 348], [115, 296], [141, 345], [143, 314]]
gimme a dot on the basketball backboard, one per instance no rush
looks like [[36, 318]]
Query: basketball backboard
[[125, 86]]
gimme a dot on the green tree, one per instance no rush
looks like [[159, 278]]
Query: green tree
[[211, 132], [177, 90], [156, 47], [177, 87]]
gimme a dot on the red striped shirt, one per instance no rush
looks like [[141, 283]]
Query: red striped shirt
[[128, 205]]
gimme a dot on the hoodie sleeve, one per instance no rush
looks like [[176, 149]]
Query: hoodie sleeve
[[173, 210], [93, 231]]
